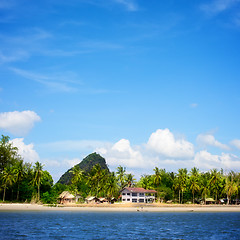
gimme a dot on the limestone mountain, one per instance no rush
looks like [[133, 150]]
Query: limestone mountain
[[86, 165]]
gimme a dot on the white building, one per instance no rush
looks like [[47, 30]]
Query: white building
[[137, 195]]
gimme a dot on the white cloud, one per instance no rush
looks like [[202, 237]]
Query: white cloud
[[25, 150], [18, 123], [163, 142], [162, 150], [209, 140], [236, 143], [218, 6], [205, 161], [159, 151], [121, 153]]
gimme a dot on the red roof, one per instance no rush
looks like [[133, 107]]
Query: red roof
[[139, 190]]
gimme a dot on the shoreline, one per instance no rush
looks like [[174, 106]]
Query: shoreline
[[119, 208]]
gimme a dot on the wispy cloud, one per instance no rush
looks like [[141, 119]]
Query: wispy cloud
[[5, 4], [22, 46], [59, 82], [236, 20], [63, 53], [18, 55], [130, 5], [193, 105], [99, 45], [209, 140], [236, 143], [71, 22], [56, 83], [218, 6]]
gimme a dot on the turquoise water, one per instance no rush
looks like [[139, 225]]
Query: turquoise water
[[116, 225]]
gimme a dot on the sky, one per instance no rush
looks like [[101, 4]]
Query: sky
[[143, 83]]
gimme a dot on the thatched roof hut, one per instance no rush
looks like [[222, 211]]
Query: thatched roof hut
[[210, 200], [92, 199], [66, 197], [103, 200]]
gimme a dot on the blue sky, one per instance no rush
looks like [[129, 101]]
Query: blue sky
[[143, 83]]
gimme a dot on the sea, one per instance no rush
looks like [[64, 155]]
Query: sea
[[119, 225]]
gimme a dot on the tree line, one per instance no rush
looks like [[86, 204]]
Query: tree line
[[25, 182]]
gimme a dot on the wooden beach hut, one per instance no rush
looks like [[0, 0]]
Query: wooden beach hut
[[210, 201], [67, 198], [103, 200], [91, 199]]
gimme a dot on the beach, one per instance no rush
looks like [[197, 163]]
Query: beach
[[120, 207]]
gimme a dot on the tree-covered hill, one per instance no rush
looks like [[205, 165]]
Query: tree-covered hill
[[86, 165]]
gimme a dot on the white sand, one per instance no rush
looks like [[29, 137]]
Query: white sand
[[120, 208]]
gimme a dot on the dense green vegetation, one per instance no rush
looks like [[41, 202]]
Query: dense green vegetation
[[20, 181], [85, 165], [24, 182]]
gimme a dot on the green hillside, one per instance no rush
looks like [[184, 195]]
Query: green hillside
[[86, 165]]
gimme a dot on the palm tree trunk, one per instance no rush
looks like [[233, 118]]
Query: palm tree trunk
[[18, 192], [179, 196], [193, 197], [12, 195], [4, 192], [38, 196], [97, 188]]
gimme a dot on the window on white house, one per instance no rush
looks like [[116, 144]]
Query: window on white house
[[141, 200], [134, 200], [128, 194], [141, 194], [124, 199], [124, 194], [134, 194], [128, 199]]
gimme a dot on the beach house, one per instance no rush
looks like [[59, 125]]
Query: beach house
[[137, 195], [67, 198]]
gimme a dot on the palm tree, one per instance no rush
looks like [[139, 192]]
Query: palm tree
[[78, 174], [7, 179], [121, 176], [214, 182], [8, 153], [95, 178], [177, 186], [194, 181], [38, 172], [181, 180], [111, 185], [146, 181], [156, 176], [231, 185], [204, 184], [130, 180], [19, 170]]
